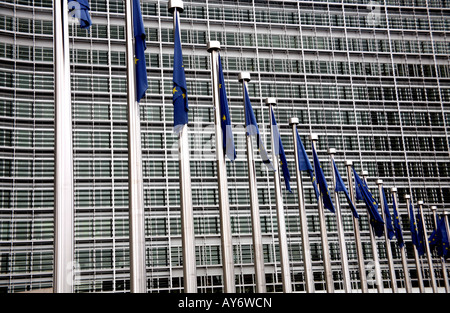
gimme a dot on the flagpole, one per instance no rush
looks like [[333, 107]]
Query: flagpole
[[138, 280], [444, 268], [323, 234], [408, 285], [359, 249], [225, 226], [373, 243], [282, 237], [340, 229], [187, 213], [260, 278], [306, 249], [386, 239], [427, 247], [416, 254], [64, 208]]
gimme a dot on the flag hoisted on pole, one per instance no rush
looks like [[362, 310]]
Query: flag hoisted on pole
[[388, 234], [321, 181], [277, 146], [260, 278], [179, 91], [323, 228], [427, 247], [400, 242], [415, 241], [340, 228], [251, 126], [63, 271], [225, 119], [304, 164], [224, 143], [363, 193], [180, 103], [137, 84], [301, 161], [375, 220], [340, 187], [139, 51], [277, 150], [439, 240], [359, 249]]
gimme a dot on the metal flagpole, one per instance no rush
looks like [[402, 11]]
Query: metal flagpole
[[282, 238], [416, 254], [359, 249], [138, 280], [187, 212], [306, 249], [260, 277], [408, 285], [373, 243], [63, 213], [323, 234], [444, 267], [340, 229], [427, 247], [387, 240], [225, 226]]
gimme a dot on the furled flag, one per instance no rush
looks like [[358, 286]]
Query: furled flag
[[279, 150], [180, 97], [80, 9], [420, 234], [322, 182], [414, 231], [305, 165], [397, 226], [439, 238], [389, 227], [371, 204], [139, 47], [253, 130], [227, 134], [340, 187]]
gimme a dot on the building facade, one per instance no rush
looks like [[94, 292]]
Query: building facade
[[372, 79]]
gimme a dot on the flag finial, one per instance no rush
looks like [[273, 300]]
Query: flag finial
[[244, 76], [293, 121], [213, 45], [176, 5]]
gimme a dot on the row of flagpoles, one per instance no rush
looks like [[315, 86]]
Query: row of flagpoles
[[137, 84]]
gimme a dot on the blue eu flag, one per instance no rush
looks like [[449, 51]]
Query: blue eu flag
[[225, 123], [180, 98], [439, 239], [322, 183], [389, 227], [371, 204], [139, 47], [279, 150], [414, 231], [397, 226], [305, 165], [420, 234], [81, 12], [253, 130], [340, 187]]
